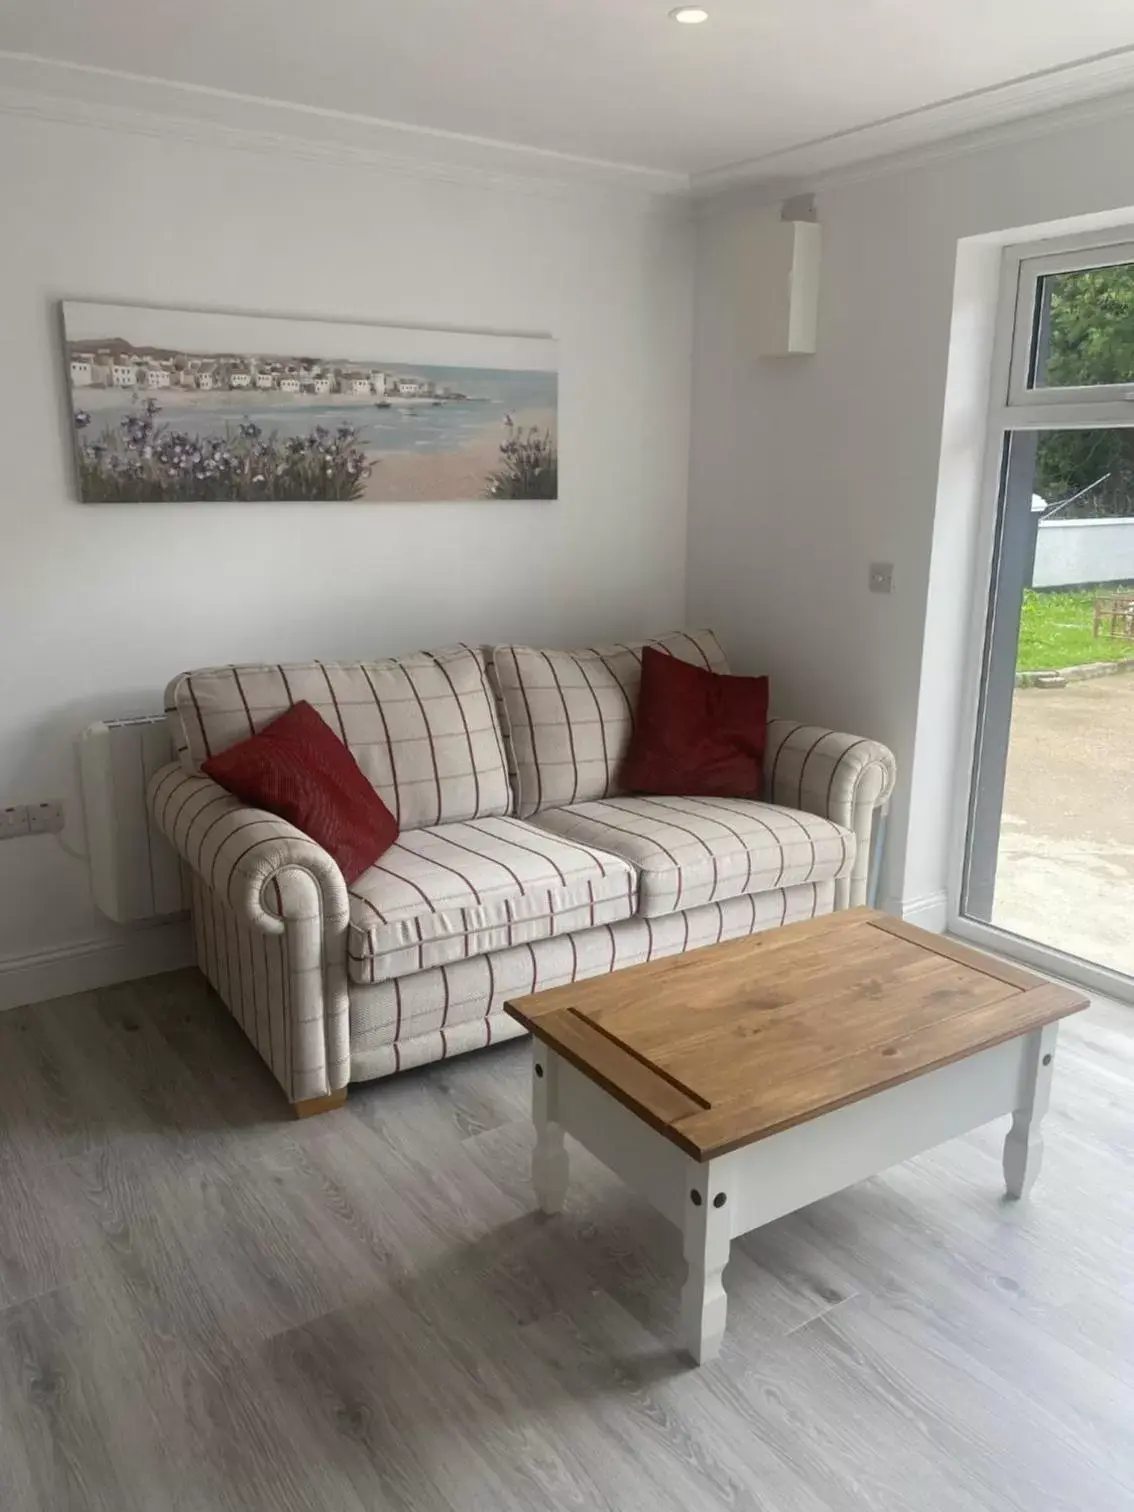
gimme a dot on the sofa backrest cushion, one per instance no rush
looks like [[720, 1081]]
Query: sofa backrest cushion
[[568, 715], [423, 727]]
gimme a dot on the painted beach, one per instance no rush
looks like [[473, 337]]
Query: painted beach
[[167, 422]]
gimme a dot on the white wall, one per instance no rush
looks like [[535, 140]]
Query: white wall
[[99, 606], [805, 470], [1070, 553]]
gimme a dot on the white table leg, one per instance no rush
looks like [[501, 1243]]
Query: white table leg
[[708, 1237], [1023, 1148], [550, 1166]]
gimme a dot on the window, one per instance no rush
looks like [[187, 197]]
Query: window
[[1075, 329], [1085, 328], [1048, 857]]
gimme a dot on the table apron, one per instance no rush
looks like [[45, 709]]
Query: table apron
[[783, 1172]]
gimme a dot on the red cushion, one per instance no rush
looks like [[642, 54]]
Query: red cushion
[[298, 768], [697, 733]]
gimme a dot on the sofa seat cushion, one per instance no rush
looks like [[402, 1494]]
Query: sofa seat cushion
[[461, 890], [410, 1021], [691, 851]]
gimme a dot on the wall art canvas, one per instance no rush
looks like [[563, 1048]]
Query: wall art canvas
[[181, 406]]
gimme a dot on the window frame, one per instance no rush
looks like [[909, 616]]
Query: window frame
[[1014, 407], [1034, 403]]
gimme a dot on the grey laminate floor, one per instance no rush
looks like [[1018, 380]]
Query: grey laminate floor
[[203, 1306]]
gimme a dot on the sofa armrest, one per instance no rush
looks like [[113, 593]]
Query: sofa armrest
[[845, 778], [274, 881]]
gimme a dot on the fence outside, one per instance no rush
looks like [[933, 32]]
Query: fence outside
[[1079, 553]]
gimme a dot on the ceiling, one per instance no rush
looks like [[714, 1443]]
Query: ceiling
[[608, 80]]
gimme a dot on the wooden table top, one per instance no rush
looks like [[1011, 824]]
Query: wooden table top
[[731, 1043]]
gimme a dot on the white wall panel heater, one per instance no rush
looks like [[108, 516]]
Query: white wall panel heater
[[136, 875]]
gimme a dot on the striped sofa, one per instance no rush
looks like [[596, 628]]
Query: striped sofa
[[521, 865]]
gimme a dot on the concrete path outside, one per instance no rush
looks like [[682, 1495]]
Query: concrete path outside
[[1066, 866]]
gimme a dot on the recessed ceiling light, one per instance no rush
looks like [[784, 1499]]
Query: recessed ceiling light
[[689, 15]]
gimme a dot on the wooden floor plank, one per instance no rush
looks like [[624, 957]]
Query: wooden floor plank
[[211, 1310]]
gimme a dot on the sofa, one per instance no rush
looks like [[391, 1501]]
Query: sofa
[[520, 864]]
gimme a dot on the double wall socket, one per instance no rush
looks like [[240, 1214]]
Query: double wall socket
[[31, 819], [13, 822]]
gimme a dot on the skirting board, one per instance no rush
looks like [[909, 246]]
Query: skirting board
[[930, 912], [88, 964]]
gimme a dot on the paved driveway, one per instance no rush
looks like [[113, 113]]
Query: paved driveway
[[1066, 868]]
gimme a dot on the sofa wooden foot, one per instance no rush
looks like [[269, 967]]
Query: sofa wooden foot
[[310, 1106]]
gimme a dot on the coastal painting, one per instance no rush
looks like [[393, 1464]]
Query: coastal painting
[[183, 406]]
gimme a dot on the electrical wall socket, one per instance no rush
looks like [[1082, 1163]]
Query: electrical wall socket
[[45, 818], [31, 819], [13, 822]]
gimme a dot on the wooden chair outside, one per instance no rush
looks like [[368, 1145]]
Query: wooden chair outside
[[1114, 616]]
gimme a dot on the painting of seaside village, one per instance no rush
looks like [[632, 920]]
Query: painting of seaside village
[[179, 406]]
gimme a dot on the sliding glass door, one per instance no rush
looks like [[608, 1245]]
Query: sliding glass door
[[1049, 852]]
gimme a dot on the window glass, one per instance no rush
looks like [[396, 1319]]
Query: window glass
[[1084, 332]]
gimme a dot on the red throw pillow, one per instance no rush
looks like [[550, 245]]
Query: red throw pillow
[[698, 733], [298, 768]]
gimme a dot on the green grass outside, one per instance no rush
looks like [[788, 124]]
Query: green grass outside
[[1056, 630]]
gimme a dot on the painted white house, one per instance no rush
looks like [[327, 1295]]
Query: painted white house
[[157, 378], [380, 382], [204, 380], [265, 380], [124, 375], [355, 383], [289, 385], [82, 375], [321, 385], [412, 388], [240, 380]]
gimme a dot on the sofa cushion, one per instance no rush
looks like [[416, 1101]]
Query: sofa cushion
[[690, 851], [462, 890], [697, 731], [298, 768], [423, 728], [568, 715]]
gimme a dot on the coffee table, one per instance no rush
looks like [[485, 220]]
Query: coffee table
[[737, 1083]]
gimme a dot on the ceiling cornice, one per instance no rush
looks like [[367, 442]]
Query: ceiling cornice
[[1014, 111], [103, 99]]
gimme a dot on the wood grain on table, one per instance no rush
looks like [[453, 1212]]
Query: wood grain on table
[[732, 1043]]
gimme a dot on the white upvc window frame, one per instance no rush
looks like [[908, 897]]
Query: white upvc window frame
[[1016, 407], [1105, 403]]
